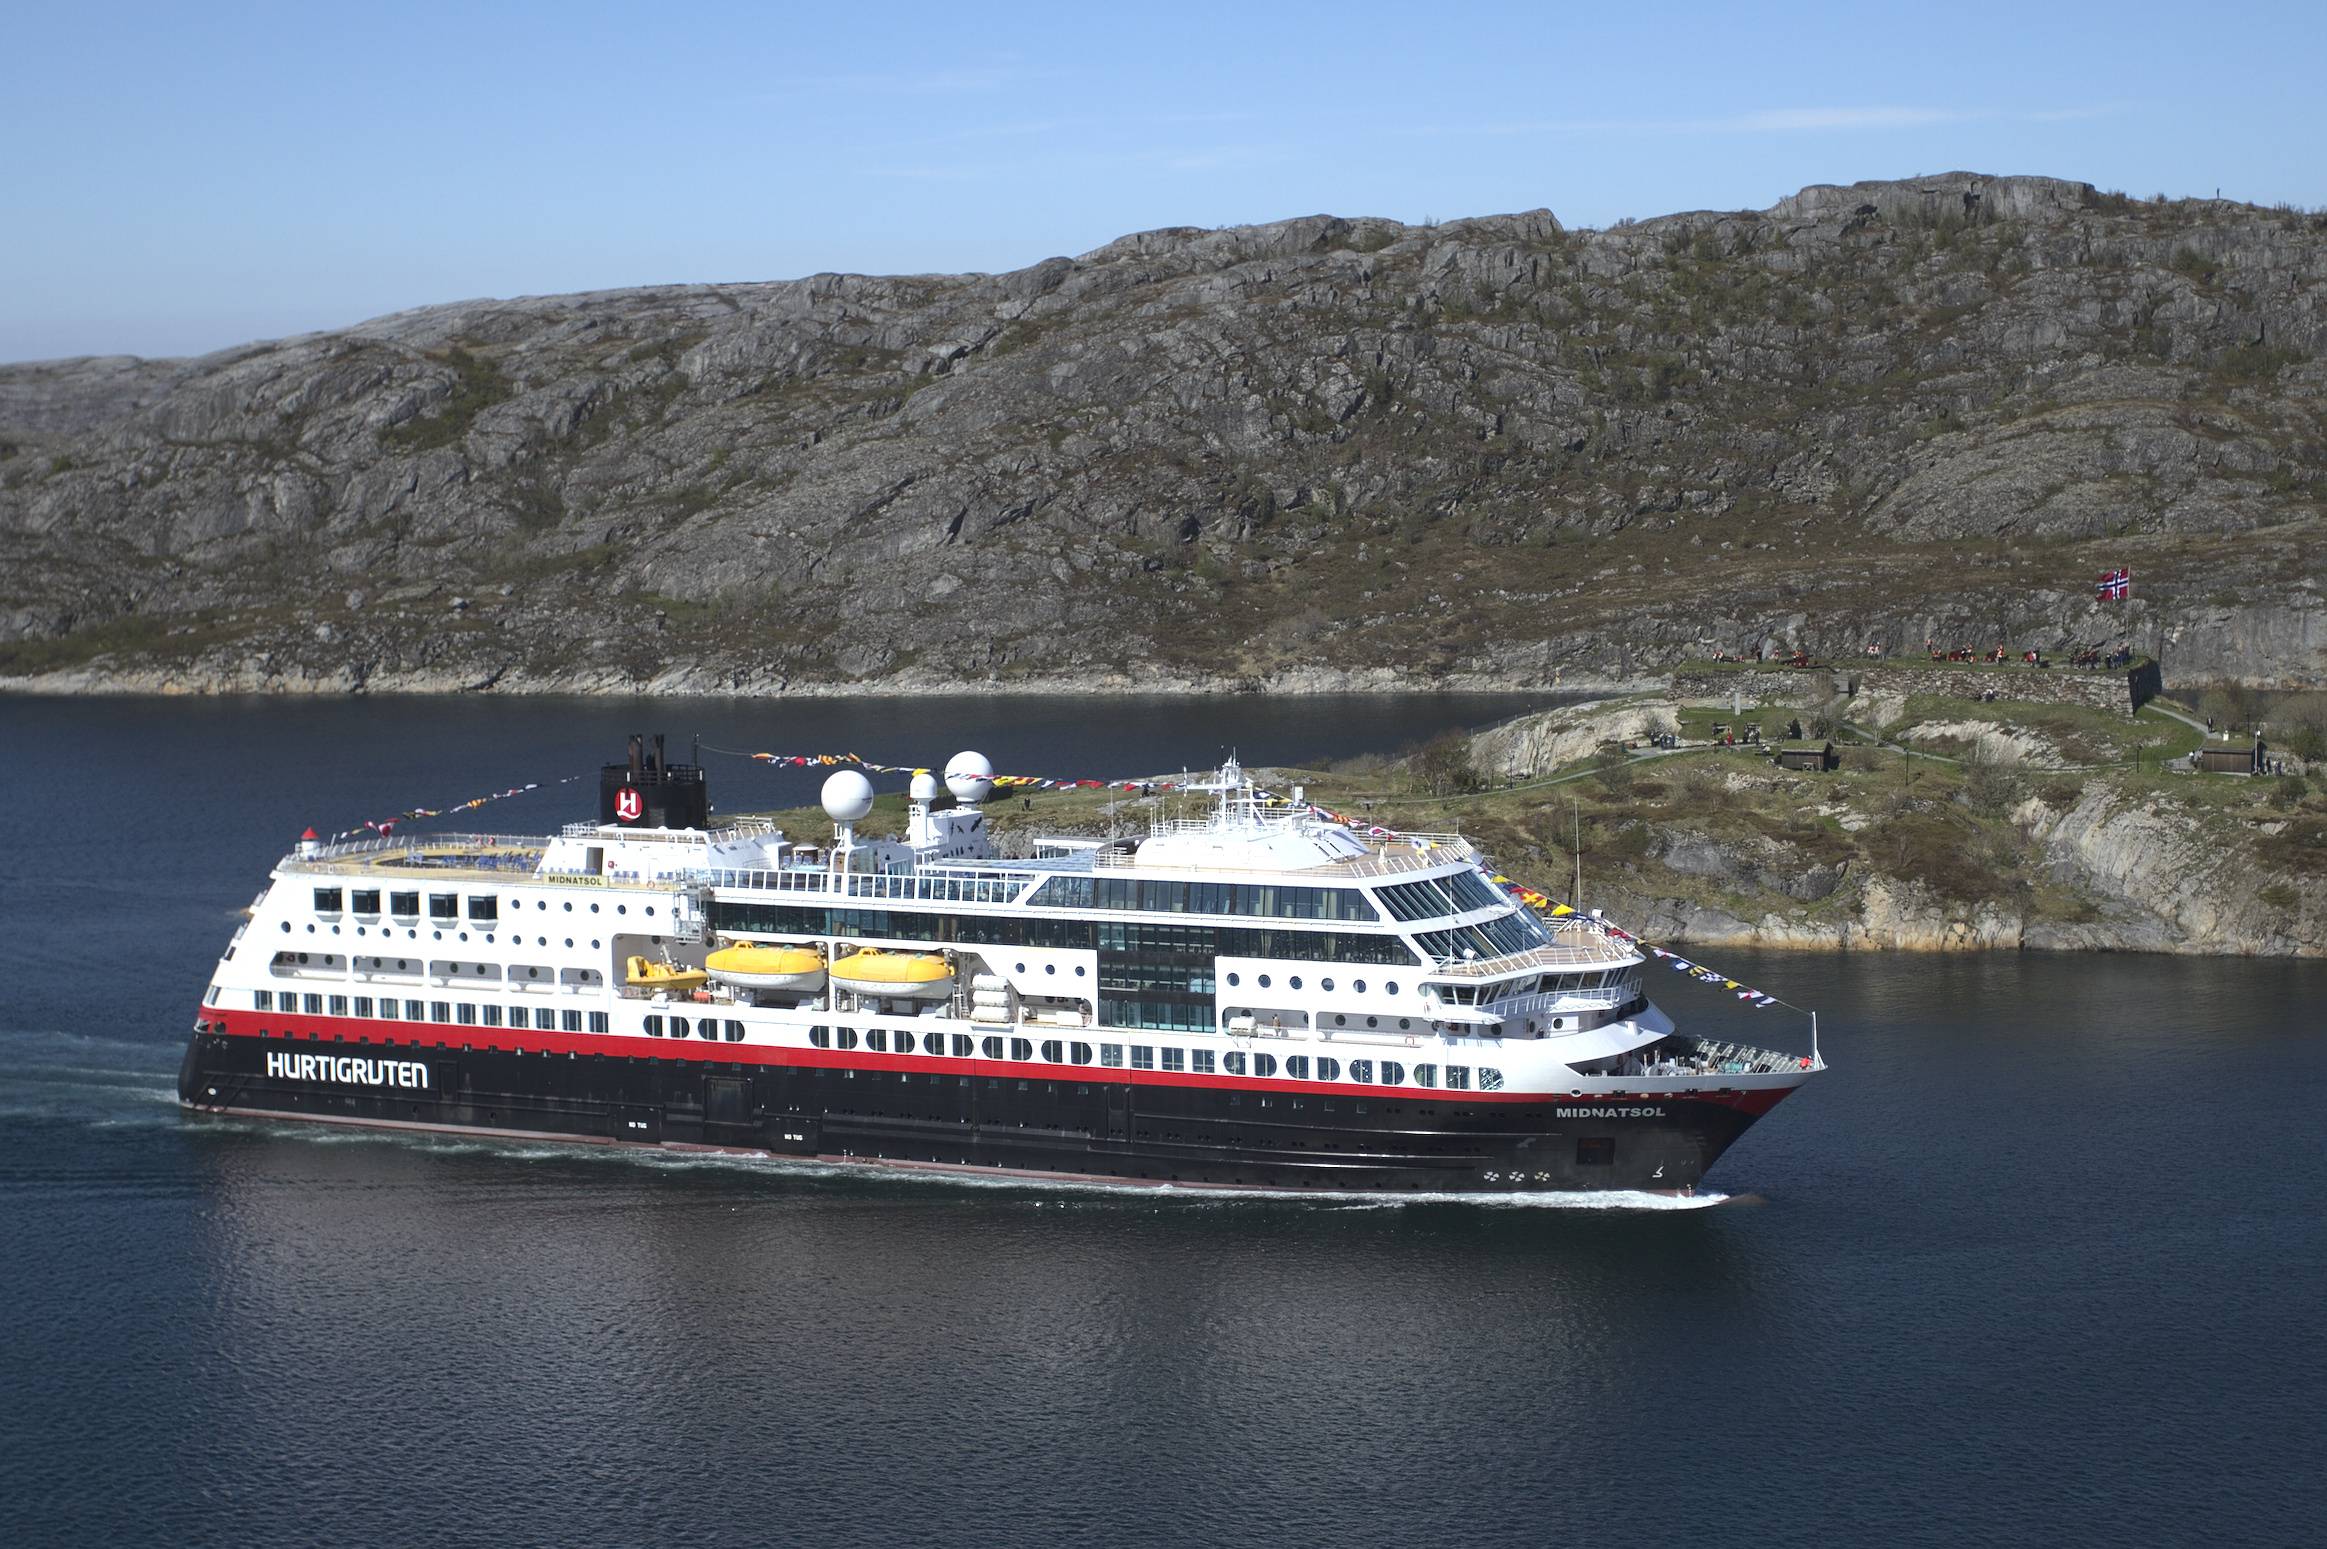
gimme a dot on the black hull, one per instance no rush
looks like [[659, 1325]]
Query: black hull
[[984, 1117]]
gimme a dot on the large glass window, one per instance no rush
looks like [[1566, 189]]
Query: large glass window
[[444, 906], [367, 900], [1200, 1062], [327, 900], [484, 910], [405, 904], [1111, 1054]]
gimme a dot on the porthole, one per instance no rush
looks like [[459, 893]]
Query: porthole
[[1557, 1023], [622, 908], [1339, 1020], [1326, 985], [1080, 971], [1390, 988], [594, 910], [569, 941], [1050, 968], [436, 935], [464, 935], [286, 927], [1235, 979], [650, 911], [1405, 1024], [1294, 981], [1360, 986], [1264, 981], [1373, 1021], [1020, 968]]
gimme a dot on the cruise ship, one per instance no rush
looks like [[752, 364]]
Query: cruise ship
[[1252, 996]]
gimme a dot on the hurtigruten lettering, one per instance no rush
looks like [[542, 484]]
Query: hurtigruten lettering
[[342, 1067]]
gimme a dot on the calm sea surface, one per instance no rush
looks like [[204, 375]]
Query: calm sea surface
[[2040, 1260]]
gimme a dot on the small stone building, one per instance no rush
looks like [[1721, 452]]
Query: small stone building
[[1819, 758]]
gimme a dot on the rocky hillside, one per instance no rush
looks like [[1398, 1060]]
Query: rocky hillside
[[1319, 452]]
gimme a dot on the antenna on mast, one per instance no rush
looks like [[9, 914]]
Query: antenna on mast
[[1578, 813]]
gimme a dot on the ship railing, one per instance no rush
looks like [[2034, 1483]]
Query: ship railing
[[419, 847], [944, 887], [1711, 1057], [1597, 949]]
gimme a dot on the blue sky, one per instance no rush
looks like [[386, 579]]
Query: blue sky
[[176, 178]]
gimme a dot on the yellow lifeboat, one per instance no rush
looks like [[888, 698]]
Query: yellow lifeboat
[[759, 965], [905, 975], [646, 974]]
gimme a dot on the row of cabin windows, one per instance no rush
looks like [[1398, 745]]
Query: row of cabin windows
[[707, 1028], [1141, 1056], [1156, 896], [483, 908], [462, 1013]]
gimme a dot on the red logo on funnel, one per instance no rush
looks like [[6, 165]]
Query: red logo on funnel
[[629, 806]]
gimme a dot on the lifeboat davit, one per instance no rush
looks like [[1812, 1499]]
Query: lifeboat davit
[[646, 974], [906, 975], [759, 965]]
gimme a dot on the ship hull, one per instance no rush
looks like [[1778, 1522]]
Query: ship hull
[[989, 1117]]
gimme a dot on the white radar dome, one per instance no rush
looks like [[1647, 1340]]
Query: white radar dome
[[848, 796], [970, 777], [924, 786]]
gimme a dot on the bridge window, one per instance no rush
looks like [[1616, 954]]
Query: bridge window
[[367, 900], [487, 910], [327, 900], [443, 906]]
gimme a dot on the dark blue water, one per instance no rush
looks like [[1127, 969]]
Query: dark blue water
[[2038, 1261]]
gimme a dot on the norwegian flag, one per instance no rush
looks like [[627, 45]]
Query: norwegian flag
[[2114, 585]]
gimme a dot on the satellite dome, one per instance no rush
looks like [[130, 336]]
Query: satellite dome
[[848, 796], [924, 786], [970, 777]]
